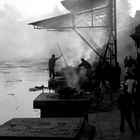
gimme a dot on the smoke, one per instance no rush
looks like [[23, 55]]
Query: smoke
[[72, 77], [125, 26], [19, 40], [126, 46], [74, 47], [75, 77], [69, 43]]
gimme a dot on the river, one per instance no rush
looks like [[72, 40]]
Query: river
[[16, 101]]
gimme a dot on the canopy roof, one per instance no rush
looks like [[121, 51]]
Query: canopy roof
[[81, 5], [57, 22], [79, 15]]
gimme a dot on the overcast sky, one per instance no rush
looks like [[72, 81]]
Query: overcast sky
[[24, 39], [34, 8]]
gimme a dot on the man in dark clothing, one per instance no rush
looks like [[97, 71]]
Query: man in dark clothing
[[105, 89], [136, 107], [125, 62], [51, 63], [85, 64], [130, 62], [125, 104]]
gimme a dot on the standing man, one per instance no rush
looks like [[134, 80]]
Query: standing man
[[131, 62], [125, 104], [51, 63], [105, 89], [125, 62], [131, 84], [136, 108]]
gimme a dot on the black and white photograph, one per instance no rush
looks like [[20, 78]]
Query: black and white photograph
[[70, 69]]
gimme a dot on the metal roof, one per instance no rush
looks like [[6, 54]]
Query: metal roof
[[79, 10], [81, 5], [57, 22]]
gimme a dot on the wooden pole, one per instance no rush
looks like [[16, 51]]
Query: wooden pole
[[62, 55]]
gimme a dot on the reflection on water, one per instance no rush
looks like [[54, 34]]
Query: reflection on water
[[15, 99]]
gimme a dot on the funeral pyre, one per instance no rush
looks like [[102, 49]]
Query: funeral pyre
[[71, 82]]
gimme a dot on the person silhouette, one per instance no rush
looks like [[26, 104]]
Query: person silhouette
[[51, 66], [125, 104]]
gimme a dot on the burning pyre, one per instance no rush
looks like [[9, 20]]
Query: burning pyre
[[74, 82]]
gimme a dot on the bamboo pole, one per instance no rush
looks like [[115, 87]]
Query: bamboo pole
[[62, 54]]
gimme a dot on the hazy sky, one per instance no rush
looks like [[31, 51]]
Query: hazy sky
[[24, 39], [31, 8], [21, 37], [135, 5]]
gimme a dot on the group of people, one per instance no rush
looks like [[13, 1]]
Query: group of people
[[103, 87], [129, 99], [128, 102], [53, 59]]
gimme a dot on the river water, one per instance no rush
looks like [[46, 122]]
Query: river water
[[16, 101]]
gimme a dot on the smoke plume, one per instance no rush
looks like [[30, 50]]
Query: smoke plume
[[19, 40], [125, 26]]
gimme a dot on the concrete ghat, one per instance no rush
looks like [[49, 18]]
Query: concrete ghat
[[51, 106], [46, 128]]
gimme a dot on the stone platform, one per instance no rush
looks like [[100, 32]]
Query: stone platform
[[52, 106], [49, 128]]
